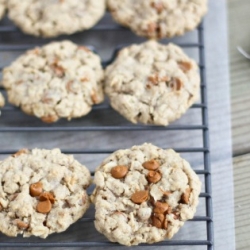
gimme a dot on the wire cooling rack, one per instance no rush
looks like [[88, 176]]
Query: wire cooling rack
[[9, 32]]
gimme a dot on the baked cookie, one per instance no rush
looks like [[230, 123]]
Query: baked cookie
[[50, 18], [144, 194], [152, 83], [60, 79], [158, 18], [2, 8], [41, 192]]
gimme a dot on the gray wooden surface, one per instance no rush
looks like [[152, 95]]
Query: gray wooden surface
[[239, 35], [220, 124], [242, 187], [219, 114]]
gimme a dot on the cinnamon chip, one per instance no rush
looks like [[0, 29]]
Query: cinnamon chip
[[47, 196], [151, 165], [158, 6], [185, 196], [36, 189], [152, 27], [119, 172], [156, 79], [22, 151], [84, 48], [175, 84], [44, 206], [161, 207], [153, 177], [140, 196], [22, 225], [94, 98], [49, 118], [185, 66], [58, 70], [157, 220]]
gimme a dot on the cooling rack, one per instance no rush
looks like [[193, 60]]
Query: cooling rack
[[10, 33]]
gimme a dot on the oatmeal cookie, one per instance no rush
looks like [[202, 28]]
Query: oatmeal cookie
[[158, 18], [58, 80], [50, 18], [152, 83], [41, 192], [144, 194]]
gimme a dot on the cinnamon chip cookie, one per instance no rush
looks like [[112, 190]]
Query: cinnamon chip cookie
[[152, 83], [144, 194], [41, 192], [2, 8], [50, 18], [158, 18], [59, 80]]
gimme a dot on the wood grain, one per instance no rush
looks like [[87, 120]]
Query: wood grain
[[239, 35], [242, 202]]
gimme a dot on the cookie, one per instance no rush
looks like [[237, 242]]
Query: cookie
[[50, 18], [158, 18], [152, 83], [41, 192], [144, 194], [2, 8], [59, 80]]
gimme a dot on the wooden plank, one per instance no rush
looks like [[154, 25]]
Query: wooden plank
[[239, 34], [242, 201]]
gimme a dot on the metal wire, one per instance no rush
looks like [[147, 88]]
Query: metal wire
[[204, 127]]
